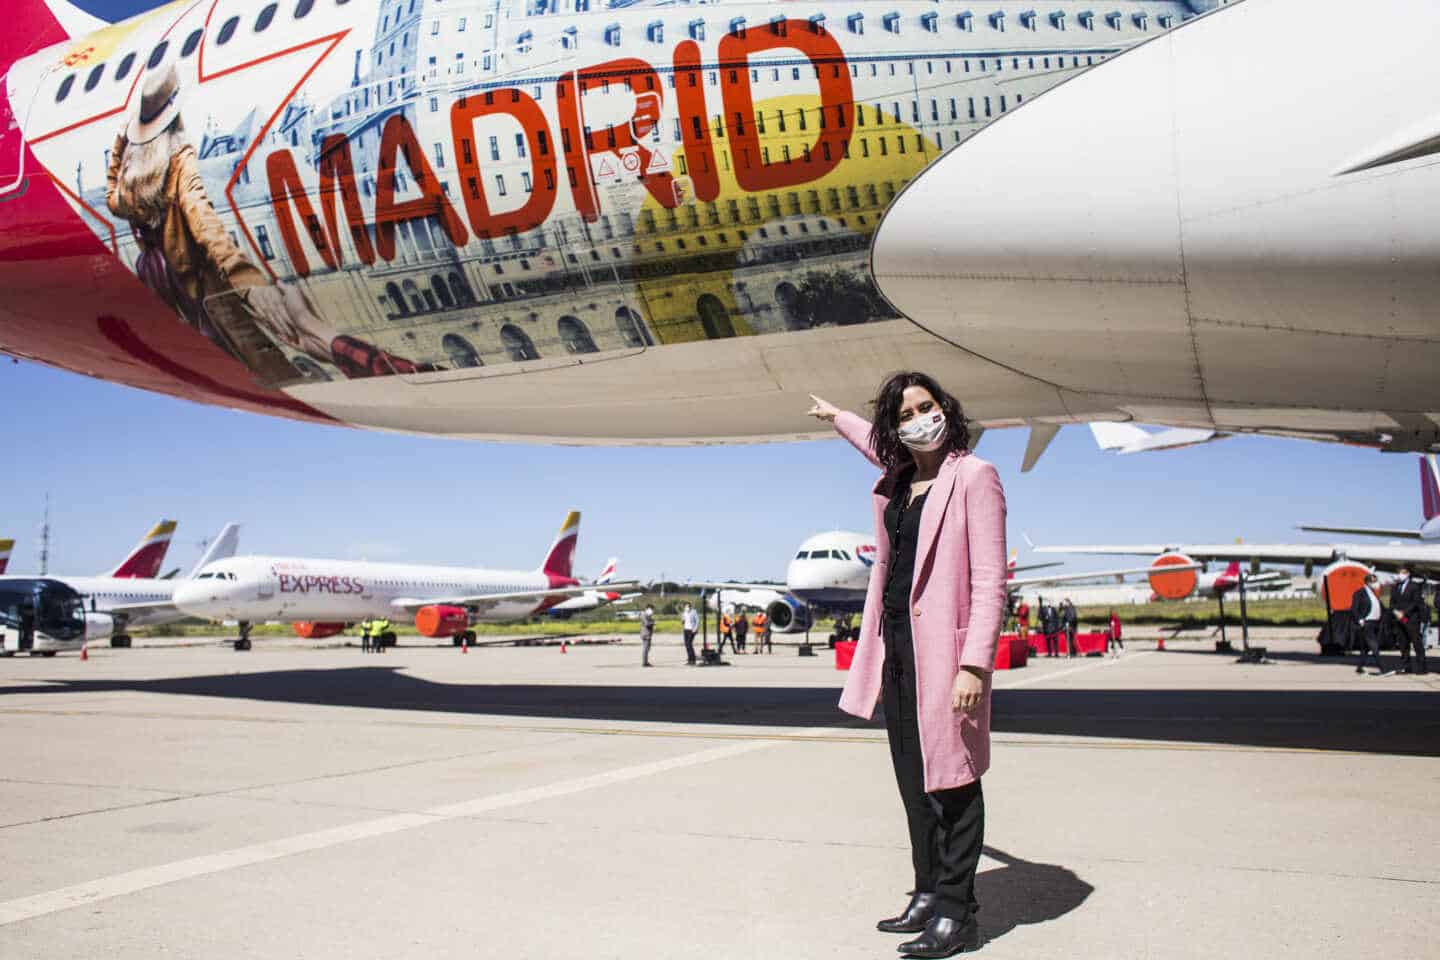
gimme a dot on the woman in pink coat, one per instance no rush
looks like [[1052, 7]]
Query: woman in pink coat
[[933, 612]]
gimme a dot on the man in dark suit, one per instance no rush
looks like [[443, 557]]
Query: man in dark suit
[[1070, 622], [1366, 610], [1406, 602]]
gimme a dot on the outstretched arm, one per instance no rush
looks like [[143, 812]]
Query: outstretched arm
[[851, 426]]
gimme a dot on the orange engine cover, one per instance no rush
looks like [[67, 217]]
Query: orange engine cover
[[317, 631], [1176, 585], [1341, 580], [441, 621]]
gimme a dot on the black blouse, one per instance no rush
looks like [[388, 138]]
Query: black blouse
[[902, 523]]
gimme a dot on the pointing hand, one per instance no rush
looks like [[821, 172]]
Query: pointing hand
[[823, 409]]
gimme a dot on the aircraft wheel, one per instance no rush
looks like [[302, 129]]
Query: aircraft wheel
[[458, 639], [388, 639], [120, 641], [470, 637], [243, 644], [47, 653]]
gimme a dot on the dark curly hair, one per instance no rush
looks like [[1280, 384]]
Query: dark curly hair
[[885, 428]]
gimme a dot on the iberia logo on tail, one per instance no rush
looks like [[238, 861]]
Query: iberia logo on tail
[[5, 547], [144, 561]]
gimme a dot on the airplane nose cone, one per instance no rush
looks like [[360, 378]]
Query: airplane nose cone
[[193, 597]]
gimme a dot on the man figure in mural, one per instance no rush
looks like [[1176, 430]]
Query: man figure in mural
[[187, 257]]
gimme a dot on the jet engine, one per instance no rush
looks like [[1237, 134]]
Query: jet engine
[[309, 630], [1341, 579], [441, 620], [788, 615], [1175, 585], [98, 625]]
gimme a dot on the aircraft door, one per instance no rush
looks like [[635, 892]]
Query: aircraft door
[[265, 587], [13, 182]]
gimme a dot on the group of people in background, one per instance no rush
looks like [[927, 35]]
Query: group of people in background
[[736, 629], [1407, 620], [372, 635], [1063, 620]]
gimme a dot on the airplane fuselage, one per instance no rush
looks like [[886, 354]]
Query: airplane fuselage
[[294, 589]]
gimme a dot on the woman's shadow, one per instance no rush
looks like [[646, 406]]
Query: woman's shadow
[[1024, 892]]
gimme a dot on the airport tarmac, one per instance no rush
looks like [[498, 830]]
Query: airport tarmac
[[528, 803]]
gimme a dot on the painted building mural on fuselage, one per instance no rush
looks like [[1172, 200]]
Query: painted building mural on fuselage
[[434, 188]]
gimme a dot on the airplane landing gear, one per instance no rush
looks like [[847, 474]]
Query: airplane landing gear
[[243, 643], [120, 640]]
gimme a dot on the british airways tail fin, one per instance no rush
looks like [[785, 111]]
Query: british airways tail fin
[[145, 559], [608, 573]]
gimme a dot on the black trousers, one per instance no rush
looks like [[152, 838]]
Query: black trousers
[[1070, 642], [1370, 638], [1409, 637], [689, 646], [947, 827], [1052, 643]]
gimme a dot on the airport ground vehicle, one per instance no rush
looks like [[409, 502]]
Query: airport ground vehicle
[[40, 616]]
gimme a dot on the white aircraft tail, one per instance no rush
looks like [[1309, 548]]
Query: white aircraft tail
[[223, 546], [608, 573], [1128, 438]]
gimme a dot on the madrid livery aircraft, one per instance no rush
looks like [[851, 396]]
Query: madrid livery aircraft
[[531, 218], [321, 596]]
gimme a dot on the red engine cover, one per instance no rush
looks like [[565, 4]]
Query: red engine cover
[[1172, 586], [441, 621], [317, 631]]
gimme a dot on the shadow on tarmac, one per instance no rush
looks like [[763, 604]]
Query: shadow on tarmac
[[1373, 718], [1023, 892]]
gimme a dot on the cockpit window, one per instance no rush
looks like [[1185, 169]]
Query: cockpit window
[[227, 30], [802, 555], [820, 555], [123, 71], [191, 42], [266, 15], [157, 55]]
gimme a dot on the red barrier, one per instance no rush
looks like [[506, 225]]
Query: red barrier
[[1011, 652], [1087, 643], [844, 654]]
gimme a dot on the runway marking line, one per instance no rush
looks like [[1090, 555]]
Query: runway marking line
[[146, 878]]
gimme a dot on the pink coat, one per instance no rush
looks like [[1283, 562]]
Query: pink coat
[[957, 607]]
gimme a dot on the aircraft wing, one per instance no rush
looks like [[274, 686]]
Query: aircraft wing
[[1036, 566], [485, 601], [1268, 552], [1095, 575], [716, 585], [1410, 534], [1421, 557]]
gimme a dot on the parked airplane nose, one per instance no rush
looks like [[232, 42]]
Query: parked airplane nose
[[202, 597]]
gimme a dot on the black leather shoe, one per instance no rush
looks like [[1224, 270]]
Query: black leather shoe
[[943, 937], [913, 918]]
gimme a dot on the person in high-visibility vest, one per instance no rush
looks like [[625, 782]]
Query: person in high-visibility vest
[[727, 627], [365, 635], [379, 627], [761, 625]]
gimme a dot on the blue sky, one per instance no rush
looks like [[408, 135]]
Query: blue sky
[[115, 460]]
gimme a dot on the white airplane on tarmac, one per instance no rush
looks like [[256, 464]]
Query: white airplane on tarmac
[[831, 571], [529, 220], [321, 596], [595, 598], [132, 594]]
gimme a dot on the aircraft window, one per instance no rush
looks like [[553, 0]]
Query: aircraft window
[[819, 554], [124, 69], [65, 86], [842, 554], [157, 55], [227, 31], [94, 78], [803, 554], [303, 8], [191, 42], [266, 15]]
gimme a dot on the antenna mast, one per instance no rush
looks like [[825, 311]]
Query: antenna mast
[[45, 539]]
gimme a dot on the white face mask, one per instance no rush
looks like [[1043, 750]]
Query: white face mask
[[924, 432]]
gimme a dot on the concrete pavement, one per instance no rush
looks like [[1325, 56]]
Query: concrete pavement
[[321, 803]]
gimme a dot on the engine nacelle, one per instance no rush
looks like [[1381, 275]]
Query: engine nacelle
[[1176, 584], [788, 615], [441, 620], [99, 625], [310, 630], [1341, 579]]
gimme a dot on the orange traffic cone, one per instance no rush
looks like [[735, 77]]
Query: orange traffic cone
[[562, 646], [84, 651], [1160, 642], [464, 645]]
